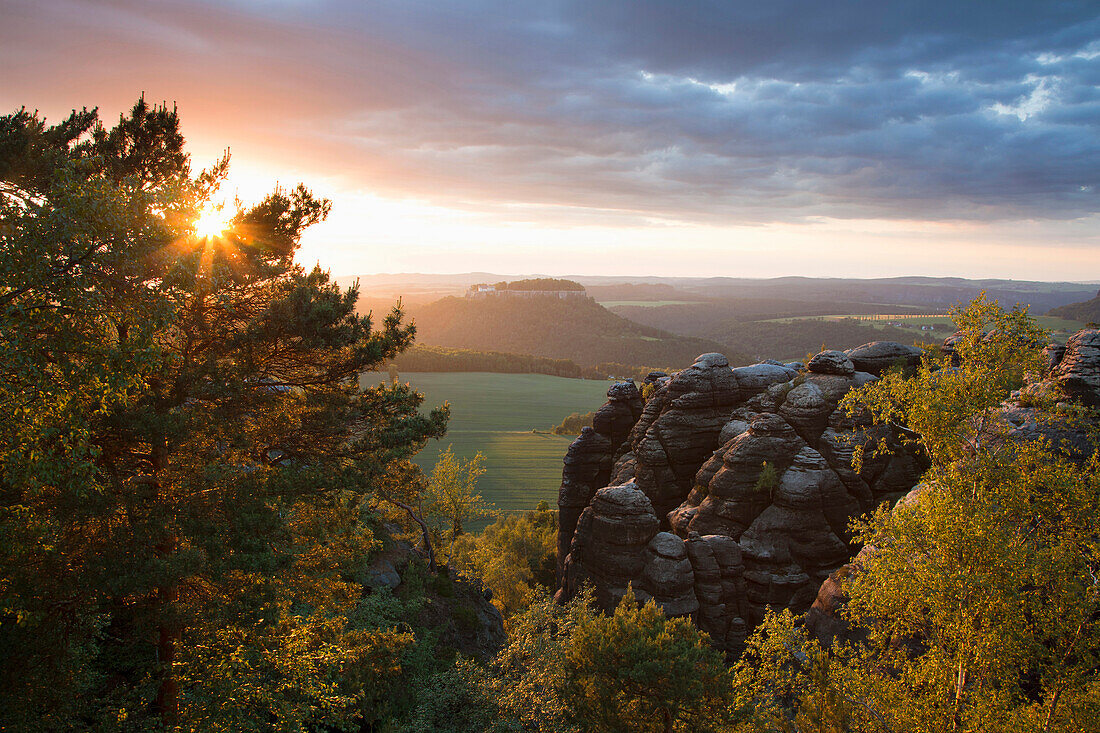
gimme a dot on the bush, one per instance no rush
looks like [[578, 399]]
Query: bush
[[573, 424]]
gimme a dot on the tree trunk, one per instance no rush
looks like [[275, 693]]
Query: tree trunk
[[167, 643], [168, 632], [960, 683], [1053, 707], [423, 530]]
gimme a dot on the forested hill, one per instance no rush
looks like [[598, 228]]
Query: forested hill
[[1086, 312], [578, 329], [734, 324]]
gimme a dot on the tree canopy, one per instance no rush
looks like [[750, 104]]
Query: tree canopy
[[186, 458], [976, 599]]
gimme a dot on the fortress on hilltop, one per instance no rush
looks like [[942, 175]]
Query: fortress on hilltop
[[534, 288]]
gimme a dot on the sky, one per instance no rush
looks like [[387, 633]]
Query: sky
[[619, 137]]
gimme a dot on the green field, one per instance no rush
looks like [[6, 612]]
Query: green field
[[495, 414], [939, 325], [646, 303]]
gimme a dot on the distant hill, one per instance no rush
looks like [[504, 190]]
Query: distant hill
[[735, 324], [540, 283], [930, 293], [926, 293], [577, 329], [794, 339], [665, 322], [640, 291], [700, 319], [1087, 311]]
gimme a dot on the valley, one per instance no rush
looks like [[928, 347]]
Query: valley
[[507, 417]]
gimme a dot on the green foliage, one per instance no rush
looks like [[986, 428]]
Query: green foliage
[[638, 670], [573, 424], [455, 701], [768, 480], [512, 556], [979, 596], [569, 668], [526, 675], [544, 283], [782, 681], [451, 499], [945, 409], [186, 455], [1009, 613]]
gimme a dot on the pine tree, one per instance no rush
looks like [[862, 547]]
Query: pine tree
[[186, 457]]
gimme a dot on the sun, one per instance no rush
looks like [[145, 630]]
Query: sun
[[212, 222]]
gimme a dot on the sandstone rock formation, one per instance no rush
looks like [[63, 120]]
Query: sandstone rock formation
[[608, 548], [589, 459], [1078, 370], [732, 492], [878, 356]]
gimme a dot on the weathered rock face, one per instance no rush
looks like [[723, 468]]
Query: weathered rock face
[[667, 576], [608, 548], [678, 429], [719, 586], [589, 459], [1078, 370], [748, 472], [832, 362], [878, 356]]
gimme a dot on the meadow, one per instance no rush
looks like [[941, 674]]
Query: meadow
[[496, 414], [939, 325], [645, 303]]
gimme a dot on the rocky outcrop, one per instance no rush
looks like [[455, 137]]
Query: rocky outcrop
[[878, 356], [387, 565], [719, 586], [832, 362], [1078, 370], [749, 488], [667, 576], [588, 461], [608, 547], [678, 429]]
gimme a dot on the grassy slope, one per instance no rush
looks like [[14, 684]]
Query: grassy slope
[[494, 414], [576, 329], [701, 319]]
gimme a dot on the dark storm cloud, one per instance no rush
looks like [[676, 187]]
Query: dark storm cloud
[[714, 111]]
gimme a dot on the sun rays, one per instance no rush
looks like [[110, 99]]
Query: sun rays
[[213, 222]]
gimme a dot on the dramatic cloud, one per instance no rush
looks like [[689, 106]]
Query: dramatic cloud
[[615, 111]]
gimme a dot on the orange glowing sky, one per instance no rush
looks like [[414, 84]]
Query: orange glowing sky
[[623, 138]]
